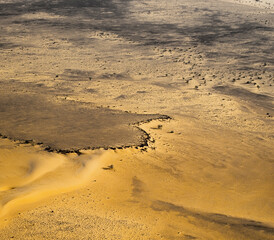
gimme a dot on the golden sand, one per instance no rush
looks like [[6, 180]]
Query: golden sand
[[207, 173]]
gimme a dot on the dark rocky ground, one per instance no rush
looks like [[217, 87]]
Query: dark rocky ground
[[217, 36]]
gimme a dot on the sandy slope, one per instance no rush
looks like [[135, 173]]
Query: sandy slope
[[207, 173]]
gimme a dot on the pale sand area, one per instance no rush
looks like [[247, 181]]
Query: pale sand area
[[264, 4], [206, 174]]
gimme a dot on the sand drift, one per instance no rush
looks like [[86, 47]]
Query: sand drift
[[32, 175]]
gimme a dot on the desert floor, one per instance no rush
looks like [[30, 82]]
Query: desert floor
[[137, 119]]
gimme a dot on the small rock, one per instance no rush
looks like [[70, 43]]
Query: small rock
[[110, 167]]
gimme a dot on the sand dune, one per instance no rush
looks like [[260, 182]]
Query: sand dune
[[31, 175]]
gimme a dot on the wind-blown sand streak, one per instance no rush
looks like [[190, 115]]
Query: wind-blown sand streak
[[33, 175]]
